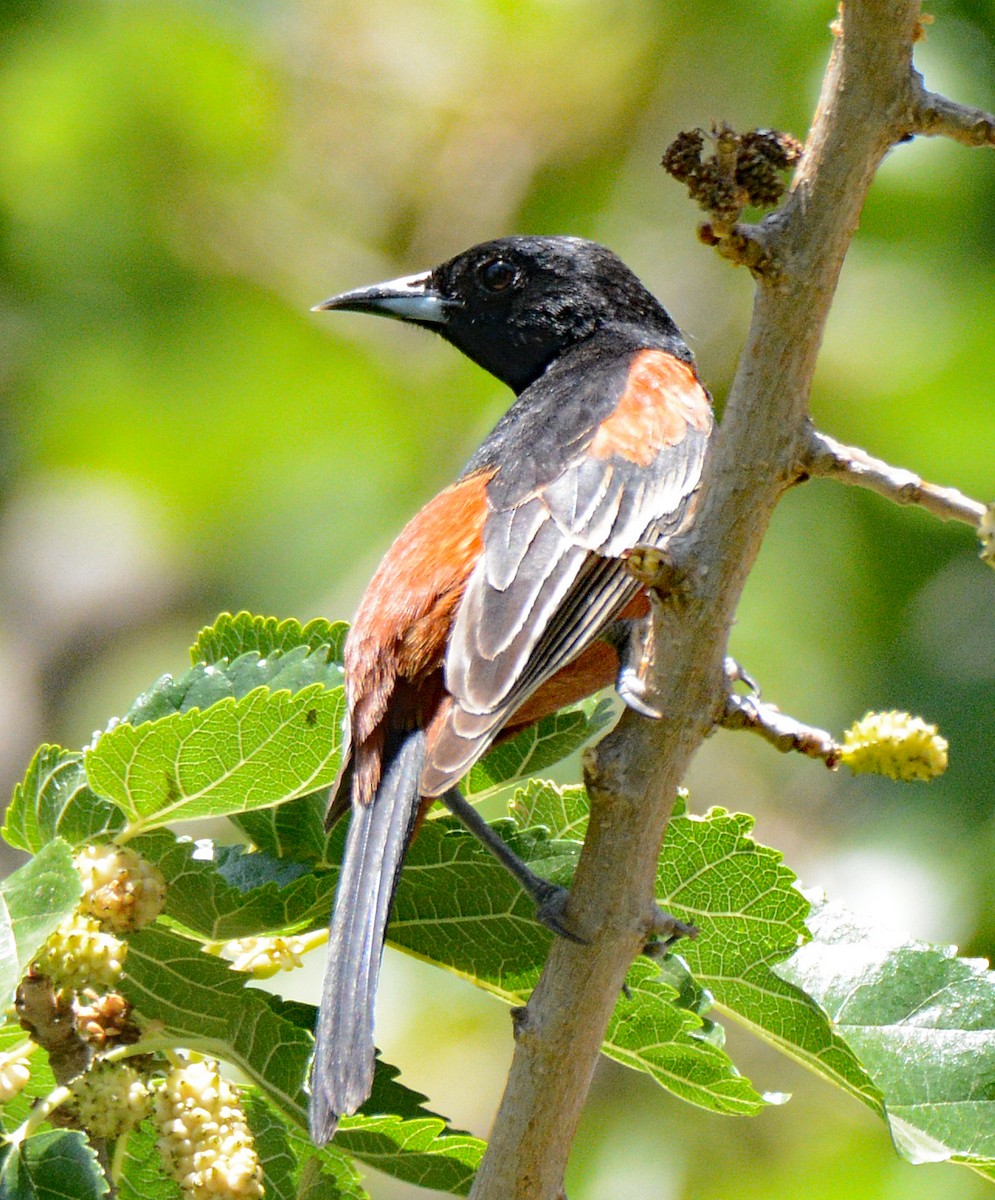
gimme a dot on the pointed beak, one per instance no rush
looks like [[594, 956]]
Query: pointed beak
[[411, 298]]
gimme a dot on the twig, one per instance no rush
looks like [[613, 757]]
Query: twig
[[825, 457], [936, 116], [634, 773], [776, 727]]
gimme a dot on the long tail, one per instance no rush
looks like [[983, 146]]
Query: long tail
[[379, 833]]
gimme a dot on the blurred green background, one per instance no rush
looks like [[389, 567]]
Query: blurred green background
[[180, 182]]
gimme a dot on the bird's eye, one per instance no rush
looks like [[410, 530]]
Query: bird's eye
[[497, 274]]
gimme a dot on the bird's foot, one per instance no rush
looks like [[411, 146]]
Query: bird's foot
[[630, 641], [736, 674], [633, 689], [664, 931], [551, 902]]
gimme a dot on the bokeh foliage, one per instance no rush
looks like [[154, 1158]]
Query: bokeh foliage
[[179, 182]]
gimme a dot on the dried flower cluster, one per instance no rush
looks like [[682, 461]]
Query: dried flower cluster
[[745, 168]]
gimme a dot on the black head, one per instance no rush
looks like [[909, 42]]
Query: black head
[[515, 304]]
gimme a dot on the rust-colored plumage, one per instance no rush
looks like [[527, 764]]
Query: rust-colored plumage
[[397, 643], [661, 399]]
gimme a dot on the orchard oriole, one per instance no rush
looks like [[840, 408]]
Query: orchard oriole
[[494, 606]]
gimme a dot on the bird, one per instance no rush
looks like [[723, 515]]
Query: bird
[[501, 600]]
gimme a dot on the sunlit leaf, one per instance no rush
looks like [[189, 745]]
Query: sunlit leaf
[[34, 901], [232, 636], [54, 800], [234, 756], [922, 1022]]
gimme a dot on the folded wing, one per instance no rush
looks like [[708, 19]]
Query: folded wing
[[551, 575]]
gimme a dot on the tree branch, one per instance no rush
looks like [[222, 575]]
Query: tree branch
[[783, 732], [633, 774], [936, 116], [825, 457]]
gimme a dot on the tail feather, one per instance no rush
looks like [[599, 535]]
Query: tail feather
[[378, 837]]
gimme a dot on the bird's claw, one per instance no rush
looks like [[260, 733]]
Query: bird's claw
[[628, 638], [737, 674], [632, 688], [664, 932], [551, 903]]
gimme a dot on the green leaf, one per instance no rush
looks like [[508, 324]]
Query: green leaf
[[59, 1165], [538, 747], [34, 900], [225, 892], [561, 810], [329, 1175], [294, 830], [143, 1174], [750, 916], [236, 755], [422, 1151], [53, 800], [208, 683], [418, 1149], [276, 1155], [208, 1007], [922, 1022], [650, 1031], [231, 636], [457, 906], [415, 1146]]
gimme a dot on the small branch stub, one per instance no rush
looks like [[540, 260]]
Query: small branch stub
[[782, 731], [936, 116]]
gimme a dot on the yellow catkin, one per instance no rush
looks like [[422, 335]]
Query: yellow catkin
[[895, 744]]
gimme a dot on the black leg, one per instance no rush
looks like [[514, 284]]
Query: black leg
[[549, 898]]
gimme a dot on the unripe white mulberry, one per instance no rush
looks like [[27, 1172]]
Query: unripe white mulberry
[[264, 956], [14, 1072], [109, 1100], [120, 889], [204, 1138], [79, 954]]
